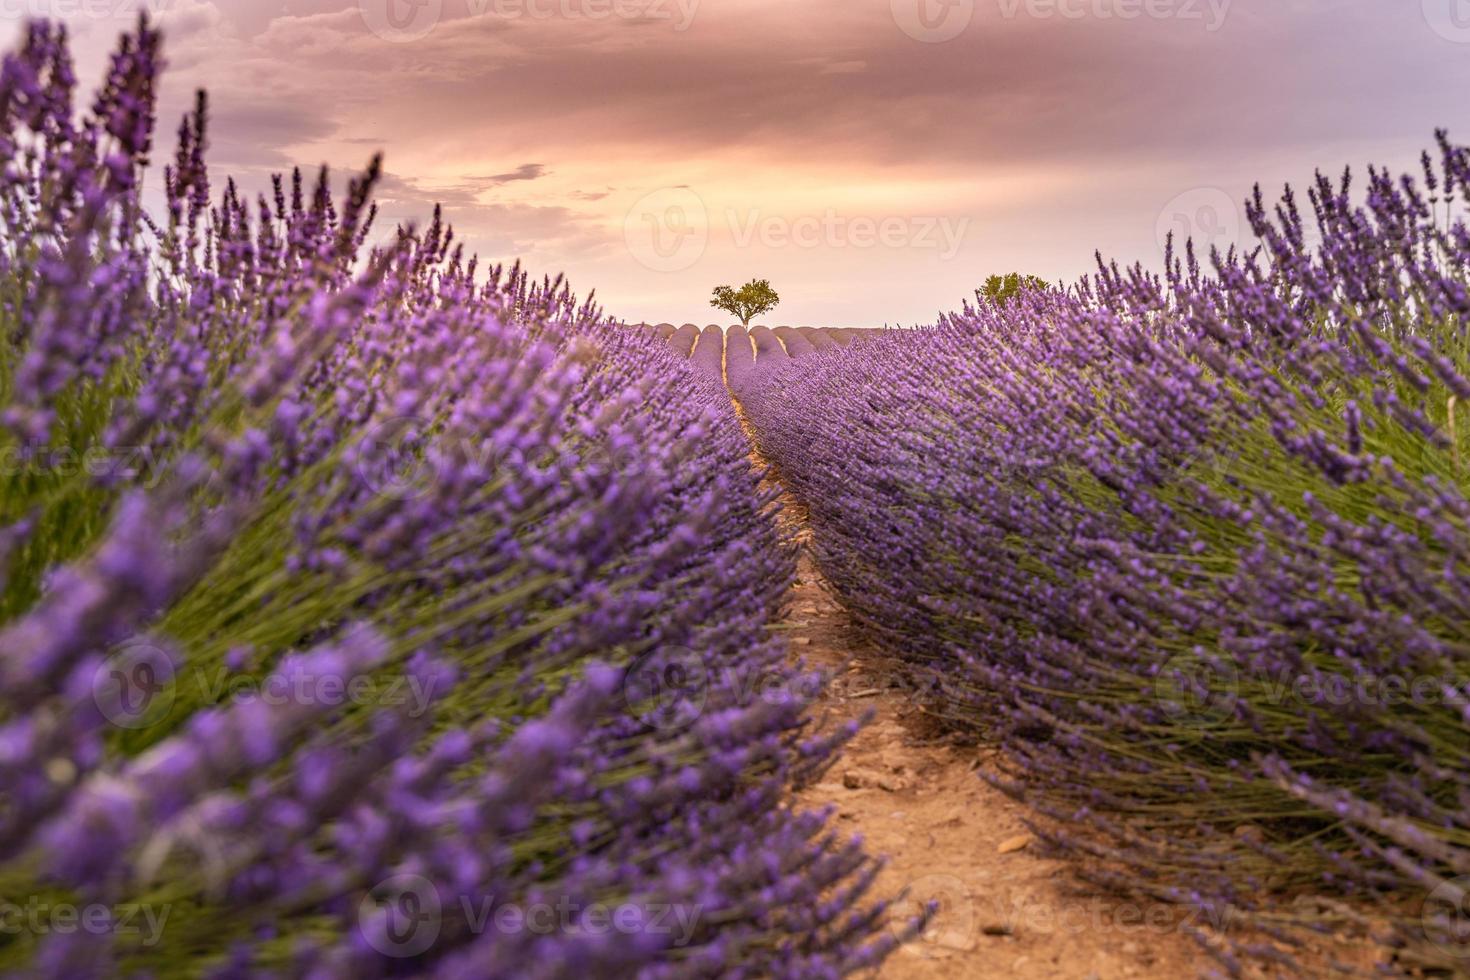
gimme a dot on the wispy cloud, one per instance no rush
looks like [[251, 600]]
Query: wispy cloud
[[526, 171]]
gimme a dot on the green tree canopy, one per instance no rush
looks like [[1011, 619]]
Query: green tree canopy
[[1000, 289], [752, 299]]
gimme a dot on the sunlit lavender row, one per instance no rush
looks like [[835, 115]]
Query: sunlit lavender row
[[359, 617], [1195, 550]]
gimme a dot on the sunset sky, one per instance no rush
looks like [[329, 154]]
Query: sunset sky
[[875, 159]]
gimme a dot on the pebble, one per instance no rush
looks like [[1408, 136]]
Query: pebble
[[1249, 833]]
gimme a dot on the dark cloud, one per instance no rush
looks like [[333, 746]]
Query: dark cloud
[[526, 171]]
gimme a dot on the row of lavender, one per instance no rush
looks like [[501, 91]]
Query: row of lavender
[[794, 340], [360, 618], [1196, 551], [732, 353]]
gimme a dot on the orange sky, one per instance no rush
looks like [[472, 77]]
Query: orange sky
[[875, 159]]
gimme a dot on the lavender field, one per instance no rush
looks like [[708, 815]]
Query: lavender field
[[1190, 549], [367, 612], [339, 586]]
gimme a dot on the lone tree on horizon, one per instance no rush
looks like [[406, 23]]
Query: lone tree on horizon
[[752, 299], [1001, 289]]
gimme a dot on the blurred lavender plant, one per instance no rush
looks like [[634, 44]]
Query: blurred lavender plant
[[368, 470], [1193, 548]]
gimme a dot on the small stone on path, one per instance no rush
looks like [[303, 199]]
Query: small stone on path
[[1010, 844]]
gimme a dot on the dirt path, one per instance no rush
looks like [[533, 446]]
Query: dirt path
[[916, 798]]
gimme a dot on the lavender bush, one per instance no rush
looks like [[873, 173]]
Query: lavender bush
[[819, 339], [683, 339], [766, 342], [1193, 549], [350, 601], [739, 359], [708, 358], [794, 341]]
